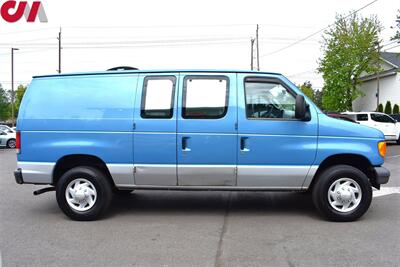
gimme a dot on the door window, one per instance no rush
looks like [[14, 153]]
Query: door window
[[205, 97], [362, 117], [158, 98], [269, 100], [381, 118]]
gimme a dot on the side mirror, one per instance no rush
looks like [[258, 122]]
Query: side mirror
[[302, 109]]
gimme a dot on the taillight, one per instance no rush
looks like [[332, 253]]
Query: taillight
[[18, 141]]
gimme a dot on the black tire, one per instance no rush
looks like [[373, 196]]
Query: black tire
[[398, 141], [120, 192], [327, 178], [11, 143], [98, 180]]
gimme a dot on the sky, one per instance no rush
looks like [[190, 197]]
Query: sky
[[97, 35]]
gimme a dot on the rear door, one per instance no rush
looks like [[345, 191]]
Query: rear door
[[155, 130], [207, 135]]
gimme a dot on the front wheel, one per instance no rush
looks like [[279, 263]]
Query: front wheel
[[342, 193], [83, 193]]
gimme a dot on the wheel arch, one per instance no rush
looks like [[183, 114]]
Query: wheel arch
[[355, 160], [68, 162]]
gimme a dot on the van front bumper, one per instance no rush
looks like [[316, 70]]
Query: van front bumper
[[381, 175], [18, 176]]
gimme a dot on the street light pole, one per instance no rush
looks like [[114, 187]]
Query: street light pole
[[12, 85]]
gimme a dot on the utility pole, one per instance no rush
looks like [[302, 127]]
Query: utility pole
[[12, 85], [252, 53], [59, 51], [377, 77], [258, 50]]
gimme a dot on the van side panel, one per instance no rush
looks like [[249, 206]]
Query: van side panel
[[89, 115]]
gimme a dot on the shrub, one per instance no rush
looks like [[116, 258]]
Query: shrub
[[380, 108], [396, 109], [388, 107]]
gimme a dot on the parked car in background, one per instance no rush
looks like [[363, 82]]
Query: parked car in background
[[381, 121], [340, 116], [7, 139], [396, 117], [6, 129]]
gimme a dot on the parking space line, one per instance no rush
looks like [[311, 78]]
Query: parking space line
[[386, 191], [395, 156]]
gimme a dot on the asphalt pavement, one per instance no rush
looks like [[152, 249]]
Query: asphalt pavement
[[156, 228]]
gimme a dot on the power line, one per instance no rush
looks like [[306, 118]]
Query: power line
[[36, 30], [158, 26], [315, 33]]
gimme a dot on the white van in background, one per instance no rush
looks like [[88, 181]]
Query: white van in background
[[381, 121]]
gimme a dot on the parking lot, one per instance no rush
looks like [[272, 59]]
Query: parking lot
[[155, 228]]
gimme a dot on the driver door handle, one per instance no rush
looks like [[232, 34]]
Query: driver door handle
[[244, 144], [185, 147]]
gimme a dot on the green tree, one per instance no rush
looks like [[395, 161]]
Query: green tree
[[380, 108], [397, 34], [5, 112], [314, 95], [349, 49], [18, 97], [306, 88], [318, 98], [396, 109], [388, 107]]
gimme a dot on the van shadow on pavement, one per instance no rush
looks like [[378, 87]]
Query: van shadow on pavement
[[192, 203]]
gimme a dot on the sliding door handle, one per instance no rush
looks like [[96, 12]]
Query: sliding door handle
[[244, 144], [185, 147]]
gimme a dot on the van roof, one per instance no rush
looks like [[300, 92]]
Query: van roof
[[154, 71]]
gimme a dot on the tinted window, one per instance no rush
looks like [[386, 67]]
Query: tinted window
[[158, 97], [269, 100], [205, 97], [362, 117], [381, 118]]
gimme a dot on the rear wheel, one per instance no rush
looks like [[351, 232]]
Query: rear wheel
[[11, 143], [342, 193], [83, 193]]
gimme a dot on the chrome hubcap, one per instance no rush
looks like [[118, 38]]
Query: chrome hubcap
[[81, 194], [344, 195]]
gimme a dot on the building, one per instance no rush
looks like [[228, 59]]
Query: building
[[389, 84]]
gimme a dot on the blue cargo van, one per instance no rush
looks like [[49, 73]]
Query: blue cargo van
[[92, 135]]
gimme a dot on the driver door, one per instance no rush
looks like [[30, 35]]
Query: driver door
[[276, 150]]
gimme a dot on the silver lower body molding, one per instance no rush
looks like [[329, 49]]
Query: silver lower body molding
[[209, 188]]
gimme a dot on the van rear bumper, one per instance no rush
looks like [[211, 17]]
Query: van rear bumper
[[34, 172], [18, 176], [381, 175]]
